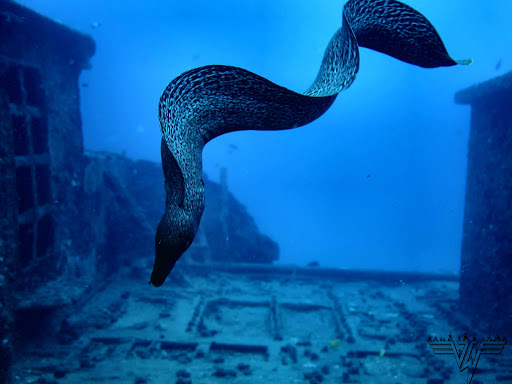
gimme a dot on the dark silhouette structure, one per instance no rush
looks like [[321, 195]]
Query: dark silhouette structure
[[486, 264], [40, 162]]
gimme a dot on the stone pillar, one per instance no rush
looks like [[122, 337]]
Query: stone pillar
[[486, 260]]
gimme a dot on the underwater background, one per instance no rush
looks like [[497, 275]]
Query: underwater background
[[349, 250], [377, 182]]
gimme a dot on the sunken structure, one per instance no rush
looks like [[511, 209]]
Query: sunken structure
[[486, 263], [40, 160]]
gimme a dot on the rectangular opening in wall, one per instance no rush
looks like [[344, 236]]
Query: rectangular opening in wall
[[44, 192], [25, 243], [45, 234], [10, 81], [20, 135], [24, 189], [33, 87], [40, 134]]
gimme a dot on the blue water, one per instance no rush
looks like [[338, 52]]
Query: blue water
[[377, 182]]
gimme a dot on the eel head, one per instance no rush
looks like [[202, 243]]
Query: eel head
[[171, 241]]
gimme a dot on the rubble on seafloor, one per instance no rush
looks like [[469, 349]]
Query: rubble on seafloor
[[252, 324]]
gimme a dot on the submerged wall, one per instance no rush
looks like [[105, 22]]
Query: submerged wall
[[40, 158], [486, 264]]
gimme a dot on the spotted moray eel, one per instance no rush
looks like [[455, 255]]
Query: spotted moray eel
[[206, 102]]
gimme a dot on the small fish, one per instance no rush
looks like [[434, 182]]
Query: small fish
[[498, 65], [96, 24]]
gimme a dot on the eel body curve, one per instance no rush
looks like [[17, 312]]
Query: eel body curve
[[209, 101]]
